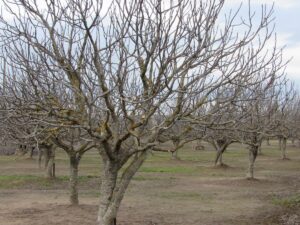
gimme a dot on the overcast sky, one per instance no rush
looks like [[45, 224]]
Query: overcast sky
[[287, 19]]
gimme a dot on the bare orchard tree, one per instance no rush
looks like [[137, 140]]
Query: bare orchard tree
[[258, 116], [285, 116], [110, 70]]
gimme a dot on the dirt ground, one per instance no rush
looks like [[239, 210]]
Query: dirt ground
[[165, 192]]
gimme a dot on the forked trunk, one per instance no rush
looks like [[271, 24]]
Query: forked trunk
[[74, 162], [252, 157], [175, 155], [112, 189], [219, 154]]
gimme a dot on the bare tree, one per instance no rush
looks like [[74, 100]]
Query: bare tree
[[108, 72]]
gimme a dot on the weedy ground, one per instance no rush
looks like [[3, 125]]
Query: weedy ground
[[189, 191]]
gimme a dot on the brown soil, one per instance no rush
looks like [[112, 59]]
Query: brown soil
[[208, 196]]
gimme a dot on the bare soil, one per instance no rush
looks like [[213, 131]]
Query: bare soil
[[198, 195]]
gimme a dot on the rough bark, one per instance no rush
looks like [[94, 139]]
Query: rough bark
[[73, 184], [175, 153], [113, 190], [50, 170], [252, 157], [259, 148], [220, 147]]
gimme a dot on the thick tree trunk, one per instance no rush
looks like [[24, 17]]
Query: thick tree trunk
[[175, 155], [219, 158], [283, 148], [73, 184], [252, 157], [50, 170], [112, 192], [219, 154], [108, 185], [259, 148]]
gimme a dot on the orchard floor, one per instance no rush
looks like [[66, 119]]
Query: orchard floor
[[189, 191]]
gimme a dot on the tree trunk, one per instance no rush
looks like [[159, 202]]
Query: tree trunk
[[73, 185], [112, 192], [40, 155], [175, 155], [219, 154], [252, 157], [268, 141], [175, 150], [50, 170], [283, 148], [108, 185], [218, 158]]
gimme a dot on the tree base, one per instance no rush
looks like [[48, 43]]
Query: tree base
[[176, 158], [251, 179], [221, 166], [287, 159]]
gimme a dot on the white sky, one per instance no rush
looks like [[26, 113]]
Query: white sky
[[287, 19], [287, 28]]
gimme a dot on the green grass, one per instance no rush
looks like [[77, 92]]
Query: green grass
[[287, 202], [32, 181]]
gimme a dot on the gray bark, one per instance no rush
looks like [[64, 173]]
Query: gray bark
[[252, 157], [74, 162], [50, 170], [112, 192], [283, 148]]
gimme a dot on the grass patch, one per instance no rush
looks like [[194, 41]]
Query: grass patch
[[288, 202], [31, 181]]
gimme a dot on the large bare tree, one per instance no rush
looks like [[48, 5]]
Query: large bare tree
[[109, 71]]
